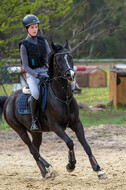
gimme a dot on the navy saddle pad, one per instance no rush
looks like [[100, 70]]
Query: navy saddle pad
[[24, 107]]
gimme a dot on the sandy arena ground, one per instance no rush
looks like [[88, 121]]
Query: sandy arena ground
[[18, 170]]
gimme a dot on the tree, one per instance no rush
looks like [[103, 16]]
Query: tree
[[12, 13], [90, 24], [88, 21]]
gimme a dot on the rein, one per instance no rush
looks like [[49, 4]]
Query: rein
[[63, 75], [67, 102]]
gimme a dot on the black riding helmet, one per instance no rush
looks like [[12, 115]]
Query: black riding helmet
[[29, 20]]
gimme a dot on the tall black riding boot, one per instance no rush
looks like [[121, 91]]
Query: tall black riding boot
[[35, 126]]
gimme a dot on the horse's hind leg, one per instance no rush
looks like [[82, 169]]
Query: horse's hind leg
[[37, 139], [78, 129], [42, 164]]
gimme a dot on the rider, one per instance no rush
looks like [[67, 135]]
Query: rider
[[34, 50]]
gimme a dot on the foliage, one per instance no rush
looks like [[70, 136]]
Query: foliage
[[94, 28], [12, 13]]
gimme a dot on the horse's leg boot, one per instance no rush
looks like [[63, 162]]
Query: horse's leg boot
[[94, 163], [35, 126]]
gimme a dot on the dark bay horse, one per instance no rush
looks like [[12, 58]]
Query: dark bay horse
[[61, 112]]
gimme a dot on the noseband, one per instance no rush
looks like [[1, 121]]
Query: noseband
[[63, 73]]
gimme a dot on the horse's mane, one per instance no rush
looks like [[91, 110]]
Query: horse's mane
[[50, 64], [58, 47]]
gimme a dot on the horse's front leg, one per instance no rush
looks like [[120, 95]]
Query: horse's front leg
[[71, 155], [71, 161], [79, 130]]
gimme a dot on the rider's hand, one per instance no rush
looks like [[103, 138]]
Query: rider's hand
[[42, 77]]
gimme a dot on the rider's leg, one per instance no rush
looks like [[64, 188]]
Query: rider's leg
[[33, 85], [35, 126]]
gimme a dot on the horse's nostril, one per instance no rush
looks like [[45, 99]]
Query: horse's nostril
[[68, 74]]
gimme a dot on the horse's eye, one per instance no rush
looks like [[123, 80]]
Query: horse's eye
[[70, 58], [58, 58]]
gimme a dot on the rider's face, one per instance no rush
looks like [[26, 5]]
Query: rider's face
[[33, 29]]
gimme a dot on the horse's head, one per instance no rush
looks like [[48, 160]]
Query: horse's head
[[63, 61]]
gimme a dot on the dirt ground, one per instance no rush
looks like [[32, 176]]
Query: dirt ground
[[18, 169]]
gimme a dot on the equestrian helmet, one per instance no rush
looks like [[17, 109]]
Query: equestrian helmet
[[29, 20]]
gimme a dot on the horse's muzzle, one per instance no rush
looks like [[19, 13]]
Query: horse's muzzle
[[70, 75]]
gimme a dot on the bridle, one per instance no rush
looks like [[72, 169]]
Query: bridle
[[62, 73]]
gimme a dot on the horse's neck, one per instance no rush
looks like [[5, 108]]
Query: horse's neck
[[61, 88]]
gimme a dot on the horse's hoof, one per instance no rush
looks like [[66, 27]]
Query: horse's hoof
[[51, 173], [70, 168], [102, 175]]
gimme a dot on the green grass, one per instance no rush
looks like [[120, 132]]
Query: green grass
[[8, 89], [91, 96], [94, 96], [4, 125], [109, 116]]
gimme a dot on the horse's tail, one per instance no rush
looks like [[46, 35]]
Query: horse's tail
[[2, 102]]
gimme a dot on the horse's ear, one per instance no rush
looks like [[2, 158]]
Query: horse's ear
[[53, 47], [66, 45]]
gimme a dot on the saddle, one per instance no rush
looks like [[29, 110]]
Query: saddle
[[23, 103]]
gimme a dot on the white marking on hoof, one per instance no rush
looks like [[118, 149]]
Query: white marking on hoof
[[102, 175], [51, 173]]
